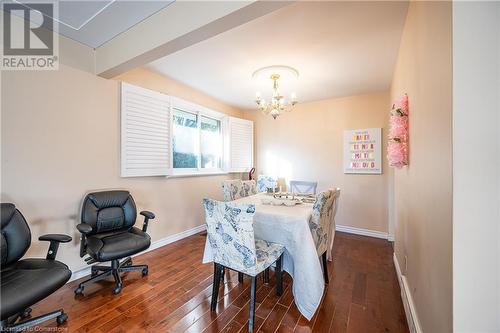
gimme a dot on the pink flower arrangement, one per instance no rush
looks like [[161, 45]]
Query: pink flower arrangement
[[397, 154], [399, 127], [397, 149]]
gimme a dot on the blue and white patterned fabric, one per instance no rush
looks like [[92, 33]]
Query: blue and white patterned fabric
[[237, 188], [231, 237], [321, 219], [231, 189], [265, 182], [249, 187]]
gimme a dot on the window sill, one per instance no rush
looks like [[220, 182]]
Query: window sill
[[197, 174]]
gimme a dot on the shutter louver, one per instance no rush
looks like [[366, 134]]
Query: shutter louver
[[145, 132], [240, 145]]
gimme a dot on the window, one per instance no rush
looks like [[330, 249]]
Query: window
[[197, 140], [211, 143], [185, 140], [162, 135]]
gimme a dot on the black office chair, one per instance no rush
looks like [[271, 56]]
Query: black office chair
[[108, 234], [25, 282]]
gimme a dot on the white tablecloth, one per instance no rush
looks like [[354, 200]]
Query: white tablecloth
[[289, 226]]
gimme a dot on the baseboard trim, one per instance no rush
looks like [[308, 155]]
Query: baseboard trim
[[79, 273], [362, 232], [409, 305]]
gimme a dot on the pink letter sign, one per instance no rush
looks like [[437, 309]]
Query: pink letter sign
[[362, 151]]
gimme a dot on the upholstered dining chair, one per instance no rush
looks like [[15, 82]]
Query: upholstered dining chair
[[322, 224], [264, 182], [236, 188], [303, 187], [249, 187], [231, 237]]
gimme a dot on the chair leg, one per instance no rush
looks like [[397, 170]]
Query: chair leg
[[223, 273], [252, 303], [266, 275], [215, 288], [279, 272], [98, 277], [325, 268], [60, 316], [240, 277], [118, 282]]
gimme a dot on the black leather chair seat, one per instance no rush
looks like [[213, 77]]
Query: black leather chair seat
[[113, 245], [28, 281]]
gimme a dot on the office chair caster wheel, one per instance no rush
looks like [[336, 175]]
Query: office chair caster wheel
[[61, 319], [117, 290], [79, 290], [26, 313], [144, 272]]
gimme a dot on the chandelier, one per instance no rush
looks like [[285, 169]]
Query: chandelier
[[278, 103]]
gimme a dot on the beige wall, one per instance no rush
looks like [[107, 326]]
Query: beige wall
[[423, 191], [307, 144], [476, 165], [148, 79], [60, 139]]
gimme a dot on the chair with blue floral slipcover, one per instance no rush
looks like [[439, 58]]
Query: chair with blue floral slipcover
[[237, 188], [264, 182], [231, 189], [303, 187], [249, 187], [322, 224], [231, 237]]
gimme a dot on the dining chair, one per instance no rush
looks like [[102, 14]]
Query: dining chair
[[264, 182], [322, 223], [249, 187], [231, 237], [237, 188], [231, 189], [303, 187]]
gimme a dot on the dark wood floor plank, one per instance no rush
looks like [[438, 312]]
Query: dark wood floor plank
[[359, 289], [274, 318], [363, 296]]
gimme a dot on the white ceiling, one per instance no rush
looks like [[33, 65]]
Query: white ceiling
[[339, 48], [94, 23]]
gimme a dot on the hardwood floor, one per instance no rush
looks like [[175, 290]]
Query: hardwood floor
[[363, 296]]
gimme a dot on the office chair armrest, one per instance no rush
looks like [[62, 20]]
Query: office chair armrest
[[84, 228], [54, 240], [147, 216]]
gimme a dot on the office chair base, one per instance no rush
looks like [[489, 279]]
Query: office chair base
[[11, 326], [115, 269]]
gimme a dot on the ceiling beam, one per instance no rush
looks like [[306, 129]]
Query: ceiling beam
[[178, 26]]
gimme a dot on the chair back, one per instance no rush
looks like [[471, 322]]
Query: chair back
[[231, 189], [237, 188], [109, 211], [321, 219], [303, 187], [15, 236], [249, 187], [264, 182], [230, 233]]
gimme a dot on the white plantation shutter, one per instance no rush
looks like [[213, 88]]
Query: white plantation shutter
[[145, 132], [240, 136]]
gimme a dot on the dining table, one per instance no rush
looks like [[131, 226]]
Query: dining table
[[289, 226]]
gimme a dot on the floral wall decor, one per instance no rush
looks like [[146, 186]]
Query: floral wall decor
[[397, 148]]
